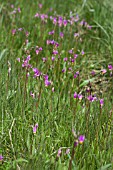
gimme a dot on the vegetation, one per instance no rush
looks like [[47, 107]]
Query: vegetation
[[56, 76]]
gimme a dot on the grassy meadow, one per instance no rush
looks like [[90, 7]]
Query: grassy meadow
[[56, 85]]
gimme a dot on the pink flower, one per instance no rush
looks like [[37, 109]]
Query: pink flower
[[19, 10], [81, 139], [13, 31], [32, 94], [61, 34], [1, 158], [101, 102], [67, 151], [82, 52], [18, 59], [80, 96], [35, 128], [103, 71], [40, 6], [37, 51], [110, 67], [59, 152], [76, 34], [75, 95]]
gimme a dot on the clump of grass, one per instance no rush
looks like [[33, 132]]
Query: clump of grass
[[56, 86]]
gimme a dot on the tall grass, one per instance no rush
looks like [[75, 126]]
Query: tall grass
[[56, 85]]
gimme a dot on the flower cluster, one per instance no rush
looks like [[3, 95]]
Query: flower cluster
[[79, 96], [79, 139]]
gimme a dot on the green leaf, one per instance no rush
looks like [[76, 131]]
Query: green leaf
[[85, 82], [3, 53], [21, 160], [105, 167], [102, 28]]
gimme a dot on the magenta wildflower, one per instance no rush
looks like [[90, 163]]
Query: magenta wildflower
[[13, 31], [76, 34], [75, 56], [93, 73], [19, 10], [80, 96], [27, 33], [26, 41], [32, 94], [60, 21], [70, 51], [63, 70], [35, 128], [56, 44], [43, 17], [81, 139], [54, 20], [26, 62], [37, 73], [72, 60], [91, 98], [82, 52], [37, 51], [18, 59], [47, 82], [59, 152], [14, 12], [55, 52], [75, 95], [77, 18], [52, 42], [1, 158], [40, 48], [46, 77], [37, 15], [40, 5], [76, 74], [65, 59], [20, 29], [89, 27], [110, 67], [103, 71], [101, 102], [61, 34], [76, 143], [44, 59], [67, 151], [51, 18], [70, 68], [12, 6], [50, 9], [51, 32], [65, 22], [52, 58], [82, 23], [48, 42], [88, 90]]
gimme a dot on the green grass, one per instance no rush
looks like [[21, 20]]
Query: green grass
[[56, 112]]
